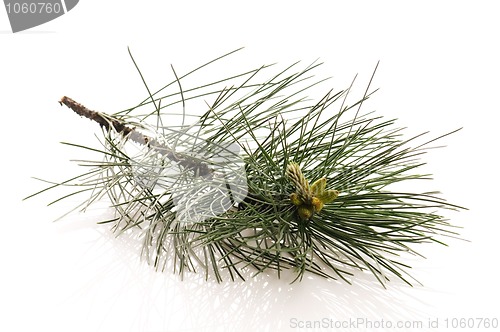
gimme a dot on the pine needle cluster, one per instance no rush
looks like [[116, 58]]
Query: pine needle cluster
[[264, 179]]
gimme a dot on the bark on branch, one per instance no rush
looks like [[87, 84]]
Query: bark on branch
[[200, 168]]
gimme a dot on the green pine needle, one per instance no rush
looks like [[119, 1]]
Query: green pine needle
[[220, 193]]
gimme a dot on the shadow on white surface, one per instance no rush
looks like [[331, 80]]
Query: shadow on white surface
[[115, 290]]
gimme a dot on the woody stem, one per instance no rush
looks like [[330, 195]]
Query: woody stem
[[107, 122]]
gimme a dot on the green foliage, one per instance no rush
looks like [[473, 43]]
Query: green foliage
[[341, 150]]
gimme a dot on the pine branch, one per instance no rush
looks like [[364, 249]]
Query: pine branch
[[264, 179]]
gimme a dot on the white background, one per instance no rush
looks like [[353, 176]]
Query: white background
[[439, 71]]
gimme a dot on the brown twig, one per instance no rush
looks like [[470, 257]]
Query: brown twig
[[106, 121], [101, 119]]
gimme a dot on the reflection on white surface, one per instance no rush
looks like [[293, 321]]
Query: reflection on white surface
[[103, 279]]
